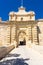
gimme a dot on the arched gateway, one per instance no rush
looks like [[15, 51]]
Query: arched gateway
[[23, 27], [20, 29], [21, 38]]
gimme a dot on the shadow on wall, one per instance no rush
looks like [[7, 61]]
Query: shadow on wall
[[18, 61], [39, 32], [38, 29], [5, 50]]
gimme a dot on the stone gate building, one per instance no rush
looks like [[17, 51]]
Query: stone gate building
[[21, 28]]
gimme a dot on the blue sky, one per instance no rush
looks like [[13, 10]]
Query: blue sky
[[12, 5]]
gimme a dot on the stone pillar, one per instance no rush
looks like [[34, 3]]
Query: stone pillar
[[35, 38], [26, 41], [8, 35], [29, 34], [13, 36], [16, 36]]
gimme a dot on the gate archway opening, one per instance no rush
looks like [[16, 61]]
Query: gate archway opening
[[22, 38]]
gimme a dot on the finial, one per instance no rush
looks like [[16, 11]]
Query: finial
[[22, 3], [21, 7]]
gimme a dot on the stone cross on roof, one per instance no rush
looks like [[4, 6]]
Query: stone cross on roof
[[22, 3]]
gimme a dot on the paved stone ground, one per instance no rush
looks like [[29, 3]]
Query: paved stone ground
[[23, 56]]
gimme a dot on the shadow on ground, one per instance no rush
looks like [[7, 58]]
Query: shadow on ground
[[18, 61], [13, 55], [14, 61]]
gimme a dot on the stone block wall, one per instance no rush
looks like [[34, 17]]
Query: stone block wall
[[4, 35], [34, 31], [40, 25]]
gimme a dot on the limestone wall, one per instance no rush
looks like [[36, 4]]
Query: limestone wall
[[34, 34], [40, 25], [4, 35], [13, 33]]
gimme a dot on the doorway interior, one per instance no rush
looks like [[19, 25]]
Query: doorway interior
[[22, 42], [22, 38]]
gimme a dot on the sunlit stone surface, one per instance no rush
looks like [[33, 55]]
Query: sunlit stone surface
[[24, 56], [21, 28]]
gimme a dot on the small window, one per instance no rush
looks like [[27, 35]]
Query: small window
[[21, 19], [30, 17]]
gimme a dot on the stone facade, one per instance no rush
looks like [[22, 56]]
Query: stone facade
[[21, 26]]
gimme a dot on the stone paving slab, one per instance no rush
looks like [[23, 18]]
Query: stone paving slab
[[23, 56]]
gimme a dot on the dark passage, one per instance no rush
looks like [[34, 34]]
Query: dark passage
[[23, 42]]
